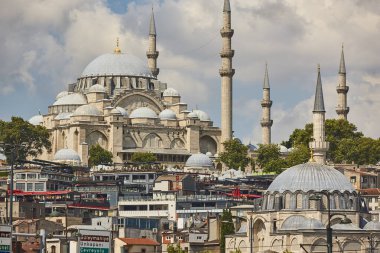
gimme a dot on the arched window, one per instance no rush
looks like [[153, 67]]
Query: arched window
[[207, 144], [152, 141]]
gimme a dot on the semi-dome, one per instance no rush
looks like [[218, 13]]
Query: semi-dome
[[36, 120], [143, 112], [63, 115], [122, 111], [199, 161], [71, 99], [97, 88], [62, 94], [170, 92], [66, 154], [167, 114], [296, 222], [372, 225], [193, 115], [203, 116], [87, 110], [310, 176], [117, 64]]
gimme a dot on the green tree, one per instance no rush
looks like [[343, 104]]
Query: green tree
[[99, 155], [275, 166], [226, 228], [143, 157], [299, 154], [235, 154], [23, 139], [267, 153], [175, 249]]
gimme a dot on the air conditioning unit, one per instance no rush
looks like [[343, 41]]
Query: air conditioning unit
[[154, 230]]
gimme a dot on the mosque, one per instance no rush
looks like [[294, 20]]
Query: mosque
[[119, 103]]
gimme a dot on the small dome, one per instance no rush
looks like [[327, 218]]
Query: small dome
[[283, 149], [143, 112], [202, 115], [63, 115], [209, 154], [199, 161], [71, 99], [36, 120], [122, 111], [97, 88], [117, 64], [115, 111], [192, 115], [66, 155], [310, 177], [296, 222], [372, 225], [62, 94], [170, 92], [167, 114], [87, 110]]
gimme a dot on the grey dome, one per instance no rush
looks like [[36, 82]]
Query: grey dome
[[167, 114], [115, 111], [87, 110], [63, 115], [62, 94], [310, 177], [66, 155], [122, 111], [143, 112], [170, 92], [36, 120], [116, 64], [193, 115], [372, 225], [348, 226], [283, 149], [296, 222], [199, 161], [97, 88], [71, 99], [203, 116]]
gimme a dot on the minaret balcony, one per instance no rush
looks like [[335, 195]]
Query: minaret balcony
[[155, 71], [342, 89], [266, 103], [319, 145], [226, 72], [266, 123], [342, 110], [152, 54], [227, 32], [227, 53]]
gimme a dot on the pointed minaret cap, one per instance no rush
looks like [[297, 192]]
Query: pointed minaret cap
[[266, 78], [319, 104], [152, 27], [342, 67], [117, 50], [226, 7]]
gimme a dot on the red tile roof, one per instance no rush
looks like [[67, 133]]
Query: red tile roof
[[139, 241]]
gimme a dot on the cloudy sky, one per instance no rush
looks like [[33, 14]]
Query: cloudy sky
[[44, 45]]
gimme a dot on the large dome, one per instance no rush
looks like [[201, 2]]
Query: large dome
[[310, 177], [36, 120], [116, 64], [199, 161]]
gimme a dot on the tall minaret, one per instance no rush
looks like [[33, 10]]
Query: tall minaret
[[226, 72], [266, 104], [319, 146], [152, 53], [342, 89]]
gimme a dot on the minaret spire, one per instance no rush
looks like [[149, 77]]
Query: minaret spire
[[342, 109], [319, 146], [266, 104], [152, 52], [226, 72]]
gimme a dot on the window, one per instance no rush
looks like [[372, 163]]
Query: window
[[29, 187], [53, 249], [31, 176], [20, 186], [143, 250], [39, 187], [353, 180], [20, 176]]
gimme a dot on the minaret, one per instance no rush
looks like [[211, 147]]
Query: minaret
[[319, 146], [152, 53], [226, 72], [266, 104], [342, 89]]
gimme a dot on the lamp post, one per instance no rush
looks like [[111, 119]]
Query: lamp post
[[317, 196]]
